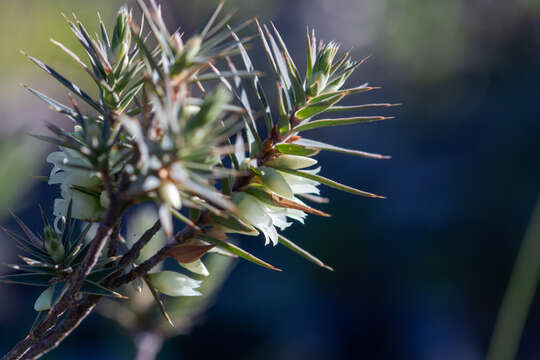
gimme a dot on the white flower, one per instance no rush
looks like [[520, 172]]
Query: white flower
[[255, 213], [84, 205], [196, 267], [266, 217], [44, 301], [273, 180], [301, 185], [169, 193], [175, 284]]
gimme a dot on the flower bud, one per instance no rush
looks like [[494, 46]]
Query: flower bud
[[196, 267], [44, 301], [122, 56], [251, 209], [192, 47], [121, 32], [175, 284], [169, 193], [53, 244], [275, 182], [292, 162], [104, 200]]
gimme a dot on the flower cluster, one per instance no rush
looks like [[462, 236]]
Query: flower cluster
[[174, 126]]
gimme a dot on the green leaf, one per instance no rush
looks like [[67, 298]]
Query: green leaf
[[261, 96], [237, 251], [284, 125], [56, 141], [218, 38], [267, 50], [315, 107], [99, 275], [317, 146], [147, 54], [155, 22], [240, 94], [227, 74], [231, 222], [260, 192], [280, 61], [310, 55], [30, 269], [68, 84], [177, 214], [35, 279], [224, 21], [26, 245], [296, 149], [90, 287], [294, 75], [157, 298], [33, 238], [330, 183], [79, 61], [338, 122], [55, 105], [297, 249], [361, 107], [212, 19], [276, 200], [358, 89], [78, 248]]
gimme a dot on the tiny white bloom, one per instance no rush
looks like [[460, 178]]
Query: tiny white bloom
[[84, 206], [301, 185], [254, 212], [175, 284], [169, 193], [44, 300], [196, 267]]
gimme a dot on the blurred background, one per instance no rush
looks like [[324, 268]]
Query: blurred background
[[420, 275]]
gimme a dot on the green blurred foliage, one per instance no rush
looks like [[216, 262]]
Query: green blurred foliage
[[18, 164], [423, 32], [30, 24]]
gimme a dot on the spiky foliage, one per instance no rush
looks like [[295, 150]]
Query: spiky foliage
[[173, 125], [50, 259]]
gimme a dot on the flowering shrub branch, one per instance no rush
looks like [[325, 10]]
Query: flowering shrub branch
[[174, 126]]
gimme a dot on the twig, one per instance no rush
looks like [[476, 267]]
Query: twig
[[143, 268], [69, 298], [113, 243], [78, 313], [81, 273], [182, 236], [135, 250], [72, 321]]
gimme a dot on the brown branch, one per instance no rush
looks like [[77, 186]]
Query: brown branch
[[66, 327], [113, 242], [81, 311], [69, 298], [143, 268], [180, 237], [135, 250]]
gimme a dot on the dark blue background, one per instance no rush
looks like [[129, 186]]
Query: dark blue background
[[417, 276]]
